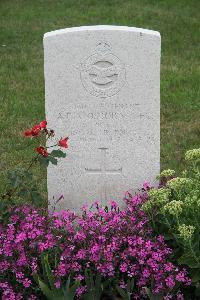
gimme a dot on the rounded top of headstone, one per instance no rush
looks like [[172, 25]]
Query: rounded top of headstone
[[101, 28]]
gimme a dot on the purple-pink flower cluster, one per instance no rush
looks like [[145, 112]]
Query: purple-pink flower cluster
[[117, 243]]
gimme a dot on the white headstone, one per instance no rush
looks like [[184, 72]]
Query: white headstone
[[102, 89]]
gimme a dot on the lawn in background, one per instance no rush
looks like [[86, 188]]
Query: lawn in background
[[22, 25]]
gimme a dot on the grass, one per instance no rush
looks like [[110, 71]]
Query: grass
[[22, 25]]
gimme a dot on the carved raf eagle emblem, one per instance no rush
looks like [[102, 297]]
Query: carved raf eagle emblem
[[103, 73]]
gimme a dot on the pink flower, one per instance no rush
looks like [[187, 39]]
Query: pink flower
[[113, 204], [58, 284], [123, 267], [79, 277], [81, 290], [19, 275], [26, 282], [180, 296], [169, 267], [170, 282], [181, 276], [20, 237], [146, 185], [116, 243]]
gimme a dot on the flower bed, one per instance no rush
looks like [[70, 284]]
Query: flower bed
[[117, 244]]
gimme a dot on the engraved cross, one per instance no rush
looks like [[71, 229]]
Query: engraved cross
[[103, 171]]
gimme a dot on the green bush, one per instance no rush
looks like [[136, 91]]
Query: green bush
[[174, 210]]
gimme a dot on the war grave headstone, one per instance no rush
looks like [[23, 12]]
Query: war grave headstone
[[102, 89]]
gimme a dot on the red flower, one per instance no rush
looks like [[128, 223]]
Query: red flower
[[63, 142], [41, 150], [36, 130], [43, 124], [28, 132]]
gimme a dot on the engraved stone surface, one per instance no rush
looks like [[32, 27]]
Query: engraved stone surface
[[102, 73], [102, 89]]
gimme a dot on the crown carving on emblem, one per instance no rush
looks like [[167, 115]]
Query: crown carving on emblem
[[103, 47]]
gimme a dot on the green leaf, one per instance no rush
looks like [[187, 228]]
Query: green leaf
[[36, 198], [15, 178], [128, 286], [168, 237], [187, 259], [58, 153], [53, 160], [49, 290], [89, 280], [23, 193], [72, 291], [49, 273], [94, 286], [35, 277], [195, 275], [197, 292], [153, 296], [122, 293], [43, 161], [67, 284], [132, 284], [46, 291]]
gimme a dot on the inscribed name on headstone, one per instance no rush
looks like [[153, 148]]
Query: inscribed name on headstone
[[102, 89]]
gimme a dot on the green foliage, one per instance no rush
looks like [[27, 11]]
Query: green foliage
[[44, 161], [22, 185], [51, 158], [153, 296], [95, 286], [4, 215], [126, 294], [58, 153], [47, 285], [174, 211]]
